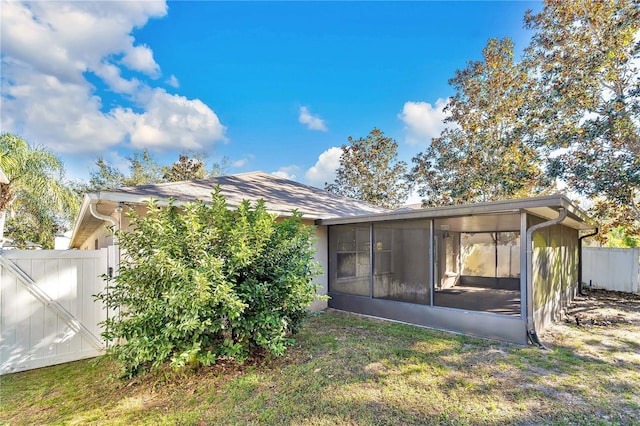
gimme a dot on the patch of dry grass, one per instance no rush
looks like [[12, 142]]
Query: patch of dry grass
[[347, 369]]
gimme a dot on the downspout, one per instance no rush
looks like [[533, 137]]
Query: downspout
[[94, 213], [4, 180], [116, 225], [531, 327], [580, 260]]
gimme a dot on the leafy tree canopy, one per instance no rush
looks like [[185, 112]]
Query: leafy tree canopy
[[145, 170], [37, 199], [185, 169], [483, 155], [585, 57], [617, 237], [370, 171]]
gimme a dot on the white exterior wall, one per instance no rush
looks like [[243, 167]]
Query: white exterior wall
[[612, 268], [322, 256], [105, 239], [103, 235]]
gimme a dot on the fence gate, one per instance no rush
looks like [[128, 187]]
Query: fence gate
[[48, 314]]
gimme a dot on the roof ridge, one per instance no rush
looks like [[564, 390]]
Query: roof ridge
[[179, 182], [246, 177]]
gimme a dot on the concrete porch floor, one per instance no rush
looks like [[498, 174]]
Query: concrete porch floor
[[505, 302]]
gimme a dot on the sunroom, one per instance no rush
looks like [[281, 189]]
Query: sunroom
[[498, 270]]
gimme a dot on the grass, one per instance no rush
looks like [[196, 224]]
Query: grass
[[351, 370]]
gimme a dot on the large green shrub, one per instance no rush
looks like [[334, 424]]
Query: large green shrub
[[201, 282]]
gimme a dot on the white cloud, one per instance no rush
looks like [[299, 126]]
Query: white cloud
[[324, 171], [49, 47], [110, 74], [170, 121], [243, 161], [423, 121], [239, 163], [287, 172], [140, 58], [313, 122], [65, 39], [63, 116], [173, 81]]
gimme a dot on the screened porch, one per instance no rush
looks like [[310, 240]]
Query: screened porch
[[470, 263]]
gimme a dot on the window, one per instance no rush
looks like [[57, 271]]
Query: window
[[491, 254], [349, 266], [489, 272]]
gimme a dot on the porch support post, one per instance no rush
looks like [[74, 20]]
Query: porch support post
[[432, 284]]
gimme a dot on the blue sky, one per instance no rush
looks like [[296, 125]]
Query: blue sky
[[272, 86]]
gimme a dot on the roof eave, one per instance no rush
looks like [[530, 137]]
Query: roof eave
[[88, 198], [554, 201]]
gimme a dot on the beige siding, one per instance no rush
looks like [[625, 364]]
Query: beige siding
[[555, 271], [322, 256], [105, 239]]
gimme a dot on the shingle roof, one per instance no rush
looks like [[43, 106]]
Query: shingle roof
[[280, 195]]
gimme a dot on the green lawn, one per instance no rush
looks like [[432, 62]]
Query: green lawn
[[348, 369]]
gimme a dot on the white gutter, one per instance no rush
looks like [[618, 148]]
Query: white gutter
[[89, 205], [531, 327], [110, 219]]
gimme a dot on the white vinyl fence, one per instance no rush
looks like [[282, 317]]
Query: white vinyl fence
[[612, 268], [48, 314]]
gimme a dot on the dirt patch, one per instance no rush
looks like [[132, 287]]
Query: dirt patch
[[603, 308]]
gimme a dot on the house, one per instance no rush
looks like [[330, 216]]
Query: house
[[498, 270], [281, 197]]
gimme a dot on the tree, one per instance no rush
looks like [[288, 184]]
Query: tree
[[145, 170], [483, 155], [192, 166], [32, 223], [370, 171], [618, 238], [105, 177], [584, 55], [220, 168], [185, 169], [203, 282], [34, 190]]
